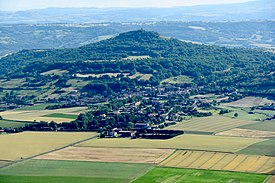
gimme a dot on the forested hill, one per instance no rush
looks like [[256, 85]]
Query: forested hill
[[251, 71]]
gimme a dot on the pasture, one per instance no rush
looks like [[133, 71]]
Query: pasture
[[262, 148], [64, 115], [141, 76], [11, 124], [125, 155], [177, 80], [220, 161], [94, 170], [209, 124], [36, 107], [170, 175], [186, 141], [54, 72], [29, 144], [264, 126], [100, 75]]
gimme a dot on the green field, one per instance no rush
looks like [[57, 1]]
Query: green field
[[265, 126], [123, 172], [36, 107], [11, 124], [60, 115], [57, 179], [173, 175], [186, 141], [262, 148], [177, 80], [209, 124]]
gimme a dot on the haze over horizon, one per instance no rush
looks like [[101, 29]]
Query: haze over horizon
[[21, 5]]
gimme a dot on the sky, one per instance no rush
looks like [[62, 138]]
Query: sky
[[17, 5]]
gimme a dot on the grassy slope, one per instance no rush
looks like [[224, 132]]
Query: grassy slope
[[261, 148], [170, 175], [36, 107], [76, 169]]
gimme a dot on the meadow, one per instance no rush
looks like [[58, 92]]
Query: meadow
[[250, 102], [209, 124], [170, 175], [177, 80], [262, 148], [11, 124], [220, 161], [125, 155], [186, 141], [27, 144], [94, 170]]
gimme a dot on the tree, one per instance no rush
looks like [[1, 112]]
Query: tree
[[236, 115], [1, 117]]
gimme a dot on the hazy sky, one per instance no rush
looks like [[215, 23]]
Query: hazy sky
[[15, 5]]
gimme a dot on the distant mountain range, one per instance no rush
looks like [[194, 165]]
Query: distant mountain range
[[254, 10]]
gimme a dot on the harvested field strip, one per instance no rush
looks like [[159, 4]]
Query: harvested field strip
[[266, 148], [186, 141], [125, 155], [238, 132], [209, 124], [220, 161]]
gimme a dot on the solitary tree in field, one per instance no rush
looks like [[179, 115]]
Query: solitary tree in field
[[1, 117], [236, 115]]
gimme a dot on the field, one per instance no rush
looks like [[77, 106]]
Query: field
[[238, 132], [250, 102], [187, 141], [220, 161], [209, 124], [125, 155], [36, 107], [264, 126], [55, 72], [28, 144], [171, 175], [13, 83], [11, 124], [177, 80], [64, 115], [120, 172], [60, 115], [261, 148], [271, 180], [100, 75], [141, 76]]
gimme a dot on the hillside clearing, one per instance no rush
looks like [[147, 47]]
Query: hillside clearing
[[187, 141], [28, 144], [177, 80], [220, 161], [125, 155], [141, 76], [170, 175], [209, 124]]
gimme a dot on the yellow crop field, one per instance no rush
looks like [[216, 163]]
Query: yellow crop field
[[26, 144], [220, 161], [41, 115], [125, 155], [186, 141], [209, 124]]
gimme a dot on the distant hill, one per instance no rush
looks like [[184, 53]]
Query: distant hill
[[250, 34], [215, 68], [253, 10]]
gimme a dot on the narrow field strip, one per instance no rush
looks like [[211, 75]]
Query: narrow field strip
[[125, 155], [220, 161]]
